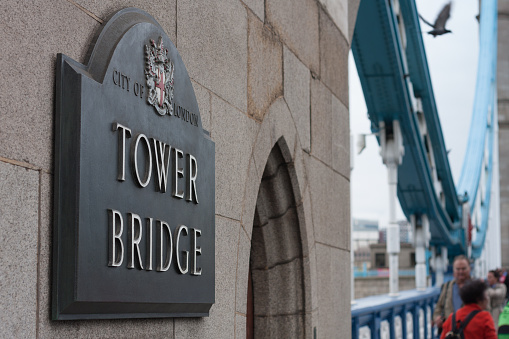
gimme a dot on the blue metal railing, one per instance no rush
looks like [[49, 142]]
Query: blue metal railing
[[359, 273], [407, 313]]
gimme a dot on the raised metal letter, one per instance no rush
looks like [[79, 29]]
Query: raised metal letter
[[186, 253], [164, 263], [115, 72], [192, 172], [121, 149], [134, 238], [149, 244], [162, 152], [116, 255], [148, 163], [196, 252], [177, 173]]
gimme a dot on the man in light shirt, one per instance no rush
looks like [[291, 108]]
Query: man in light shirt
[[450, 300]]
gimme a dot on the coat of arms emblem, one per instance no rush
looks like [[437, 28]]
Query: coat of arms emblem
[[159, 77]]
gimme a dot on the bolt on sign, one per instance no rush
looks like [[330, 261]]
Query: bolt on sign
[[134, 200]]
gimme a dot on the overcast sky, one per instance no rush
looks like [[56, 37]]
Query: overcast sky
[[452, 60]]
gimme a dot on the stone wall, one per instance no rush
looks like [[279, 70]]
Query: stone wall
[[264, 72]]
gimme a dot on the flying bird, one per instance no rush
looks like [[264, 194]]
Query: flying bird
[[439, 26]]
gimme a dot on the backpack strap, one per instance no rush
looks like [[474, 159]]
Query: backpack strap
[[453, 322], [465, 321]]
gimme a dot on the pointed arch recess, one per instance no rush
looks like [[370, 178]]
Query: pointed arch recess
[[281, 260]]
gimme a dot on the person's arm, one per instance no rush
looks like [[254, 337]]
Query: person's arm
[[438, 313], [501, 290], [447, 326]]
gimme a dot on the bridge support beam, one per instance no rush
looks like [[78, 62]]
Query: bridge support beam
[[393, 244], [391, 142], [421, 233], [439, 264]]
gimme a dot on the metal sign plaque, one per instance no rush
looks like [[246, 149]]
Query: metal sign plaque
[[134, 195]]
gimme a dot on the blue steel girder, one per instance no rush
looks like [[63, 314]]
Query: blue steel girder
[[481, 134], [383, 72], [421, 81]]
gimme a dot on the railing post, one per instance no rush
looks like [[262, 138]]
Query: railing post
[[392, 325], [416, 321], [409, 314], [374, 326], [425, 312], [355, 328], [431, 307], [403, 322]]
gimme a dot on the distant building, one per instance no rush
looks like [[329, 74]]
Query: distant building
[[405, 233], [380, 259], [368, 244], [365, 233], [378, 254]]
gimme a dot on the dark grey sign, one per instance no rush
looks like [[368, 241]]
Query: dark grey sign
[[134, 202]]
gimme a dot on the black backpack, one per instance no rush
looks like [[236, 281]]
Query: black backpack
[[457, 332]]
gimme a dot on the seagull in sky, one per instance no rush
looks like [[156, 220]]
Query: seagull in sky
[[439, 26]]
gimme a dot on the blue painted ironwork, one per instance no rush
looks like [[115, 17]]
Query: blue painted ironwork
[[393, 71], [381, 273], [384, 74], [481, 135], [372, 311], [421, 84], [391, 62]]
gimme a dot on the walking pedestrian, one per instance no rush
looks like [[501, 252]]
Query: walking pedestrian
[[472, 319], [450, 300], [496, 293]]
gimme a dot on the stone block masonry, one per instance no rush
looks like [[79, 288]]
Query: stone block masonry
[[267, 75]]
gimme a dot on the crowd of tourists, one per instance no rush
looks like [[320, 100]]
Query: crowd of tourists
[[473, 308]]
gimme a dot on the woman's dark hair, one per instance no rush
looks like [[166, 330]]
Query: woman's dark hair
[[496, 273], [473, 291]]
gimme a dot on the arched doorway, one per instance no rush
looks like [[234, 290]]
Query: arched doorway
[[276, 293]]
